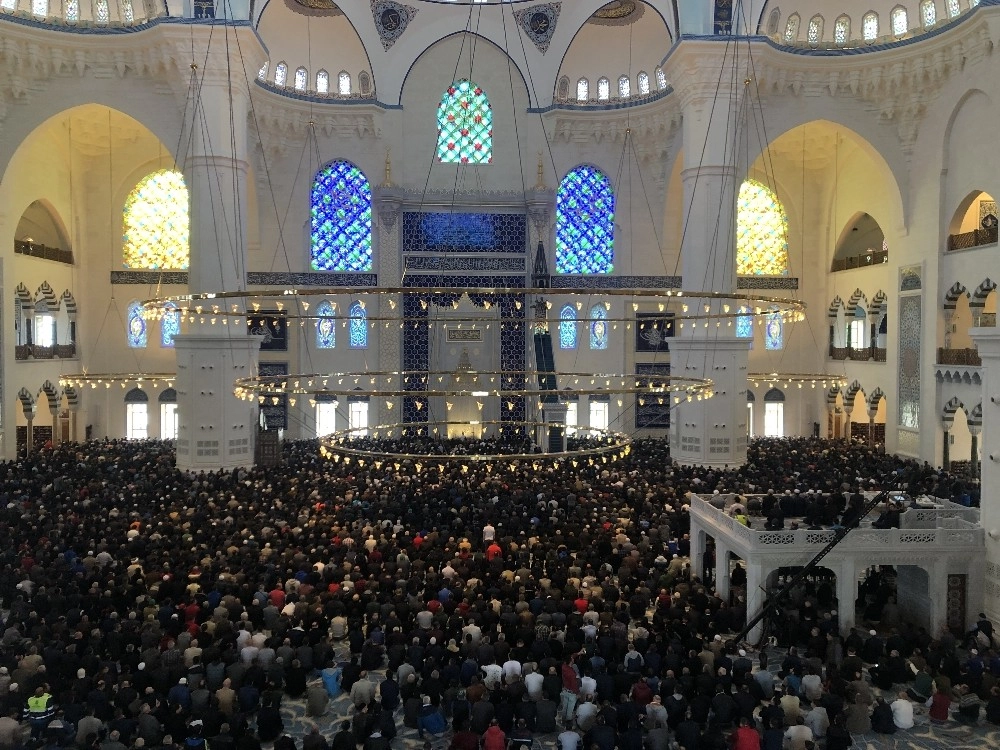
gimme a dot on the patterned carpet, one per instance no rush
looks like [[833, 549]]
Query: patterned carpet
[[923, 736]]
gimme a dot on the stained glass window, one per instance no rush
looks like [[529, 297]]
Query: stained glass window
[[326, 326], [344, 83], [170, 325], [585, 222], [40, 8], [101, 12], [815, 31], [8, 4], [301, 79], [661, 78], [842, 31], [928, 13], [774, 331], [582, 90], [341, 219], [953, 8], [598, 327], [359, 327], [792, 28], [136, 326], [603, 89], [465, 125], [280, 74], [262, 73], [322, 82], [744, 324], [72, 12], [761, 232], [624, 87], [567, 328], [869, 27], [899, 21], [128, 16], [156, 223], [643, 80]]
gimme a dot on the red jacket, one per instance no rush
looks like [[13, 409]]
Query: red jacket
[[745, 738], [494, 739]]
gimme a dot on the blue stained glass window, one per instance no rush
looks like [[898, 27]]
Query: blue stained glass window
[[341, 219], [326, 326], [598, 328], [359, 327], [744, 324], [567, 328], [170, 325], [585, 222], [774, 333], [136, 326], [465, 125]]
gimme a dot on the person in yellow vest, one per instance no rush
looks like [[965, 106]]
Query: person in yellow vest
[[39, 711]]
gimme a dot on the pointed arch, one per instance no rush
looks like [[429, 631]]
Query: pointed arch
[[603, 89], [583, 90], [792, 28], [465, 125], [136, 326], [170, 325], [562, 89], [761, 232], [814, 32], [156, 223], [281, 73], [953, 294], [301, 80], [567, 327], [598, 328], [842, 30], [344, 83], [642, 83], [928, 13], [949, 410], [341, 219], [774, 331], [869, 26], [585, 222], [982, 292], [900, 21], [358, 326], [326, 325]]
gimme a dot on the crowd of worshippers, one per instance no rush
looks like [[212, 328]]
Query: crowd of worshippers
[[148, 608]]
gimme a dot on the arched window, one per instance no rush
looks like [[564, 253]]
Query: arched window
[[71, 12], [900, 22], [792, 28], [953, 8], [155, 222], [170, 325], [465, 125], [585, 222], [301, 79], [364, 83], [128, 15], [643, 80], [341, 219], [562, 91], [280, 74], [262, 73], [772, 21], [624, 87], [582, 90], [869, 27], [326, 326], [744, 323], [344, 83], [169, 422], [598, 327], [40, 8], [136, 326], [814, 34], [136, 415], [774, 413], [774, 331], [603, 89], [101, 13], [322, 82], [567, 328], [761, 232], [359, 326], [928, 13], [842, 31], [661, 79]]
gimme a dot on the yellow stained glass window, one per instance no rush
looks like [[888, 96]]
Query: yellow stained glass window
[[761, 232], [156, 228]]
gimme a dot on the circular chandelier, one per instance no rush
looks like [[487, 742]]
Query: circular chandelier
[[801, 379], [107, 379], [396, 444]]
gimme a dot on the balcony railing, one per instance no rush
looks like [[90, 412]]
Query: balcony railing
[[24, 352], [975, 238], [965, 357], [868, 354], [36, 250], [869, 257], [988, 320]]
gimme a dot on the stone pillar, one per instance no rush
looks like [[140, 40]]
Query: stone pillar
[[709, 432], [937, 591], [847, 592], [722, 570], [217, 430], [697, 556], [946, 449], [755, 596], [987, 341], [974, 464], [847, 423]]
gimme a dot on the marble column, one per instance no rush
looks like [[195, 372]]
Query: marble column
[[847, 592], [987, 341]]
